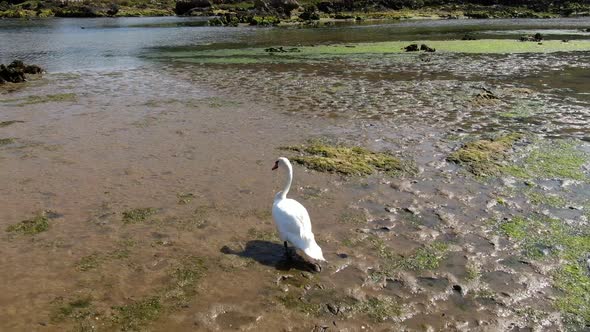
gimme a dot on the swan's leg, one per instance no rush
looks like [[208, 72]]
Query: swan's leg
[[287, 253]]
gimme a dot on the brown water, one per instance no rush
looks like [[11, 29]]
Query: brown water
[[147, 134]]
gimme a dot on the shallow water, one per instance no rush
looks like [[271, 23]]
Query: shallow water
[[144, 132]]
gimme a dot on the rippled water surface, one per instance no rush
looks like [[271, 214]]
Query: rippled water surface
[[121, 123]]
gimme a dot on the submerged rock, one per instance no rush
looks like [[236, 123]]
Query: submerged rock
[[16, 72]]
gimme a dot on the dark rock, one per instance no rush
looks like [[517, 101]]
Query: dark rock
[[326, 7], [535, 38], [411, 48], [16, 72], [426, 48], [285, 6], [280, 49], [261, 5], [183, 7], [310, 14], [468, 36]]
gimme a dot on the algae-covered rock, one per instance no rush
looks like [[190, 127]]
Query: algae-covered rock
[[16, 72], [483, 157], [348, 160]]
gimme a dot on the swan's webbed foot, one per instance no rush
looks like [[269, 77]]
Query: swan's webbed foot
[[317, 267]]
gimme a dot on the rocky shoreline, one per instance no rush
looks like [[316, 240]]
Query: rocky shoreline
[[275, 12]]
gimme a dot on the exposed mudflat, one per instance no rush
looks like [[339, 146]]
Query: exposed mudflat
[[139, 198]]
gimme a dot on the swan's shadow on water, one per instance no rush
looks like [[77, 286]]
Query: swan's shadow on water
[[271, 254]]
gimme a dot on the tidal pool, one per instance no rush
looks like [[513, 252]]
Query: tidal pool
[[137, 188]]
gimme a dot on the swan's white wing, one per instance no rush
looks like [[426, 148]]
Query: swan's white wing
[[292, 217]]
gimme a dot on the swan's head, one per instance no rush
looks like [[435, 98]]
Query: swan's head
[[281, 161]]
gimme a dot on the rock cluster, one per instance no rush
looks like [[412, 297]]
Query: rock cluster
[[16, 72]]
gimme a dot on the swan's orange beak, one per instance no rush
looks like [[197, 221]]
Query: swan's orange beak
[[276, 165]]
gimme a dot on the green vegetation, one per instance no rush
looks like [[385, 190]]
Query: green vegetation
[[89, 262], [329, 52], [295, 302], [555, 159], [263, 235], [348, 160], [132, 316], [138, 215], [538, 198], [36, 225], [483, 157], [94, 260], [355, 218], [541, 237], [55, 98], [79, 308], [424, 258], [380, 308], [6, 141], [8, 123], [185, 198], [181, 287]]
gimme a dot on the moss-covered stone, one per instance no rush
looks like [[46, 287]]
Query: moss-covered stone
[[36, 225], [483, 157], [55, 98], [348, 161]]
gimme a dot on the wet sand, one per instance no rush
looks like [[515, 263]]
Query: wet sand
[[195, 144]]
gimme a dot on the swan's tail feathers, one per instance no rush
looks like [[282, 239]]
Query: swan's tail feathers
[[314, 251]]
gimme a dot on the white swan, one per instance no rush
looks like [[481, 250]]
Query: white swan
[[292, 219]]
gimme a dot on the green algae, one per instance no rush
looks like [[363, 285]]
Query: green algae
[[55, 98], [540, 238], [184, 199], [355, 218], [89, 262], [184, 279], [319, 52], [295, 302], [348, 161], [35, 225], [94, 260], [483, 157], [262, 235], [181, 288], [79, 308], [424, 258], [380, 308], [133, 316], [8, 123], [538, 198], [7, 141], [573, 280], [138, 215], [427, 257], [556, 159]]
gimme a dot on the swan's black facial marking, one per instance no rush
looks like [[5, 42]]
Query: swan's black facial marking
[[276, 165]]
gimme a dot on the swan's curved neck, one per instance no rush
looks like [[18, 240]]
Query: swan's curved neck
[[289, 180]]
